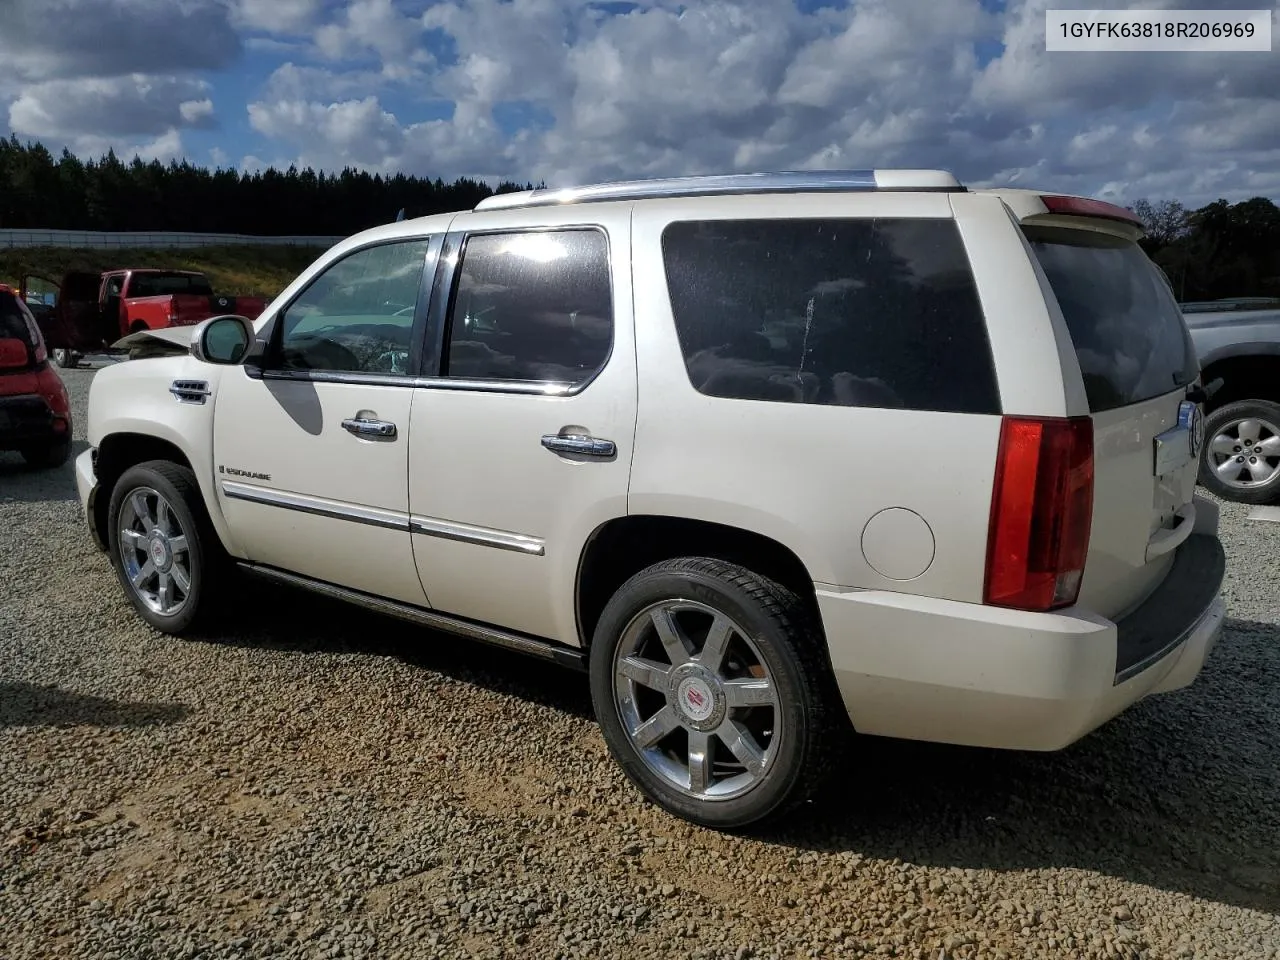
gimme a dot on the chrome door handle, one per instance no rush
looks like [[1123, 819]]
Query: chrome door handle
[[370, 429], [581, 446]]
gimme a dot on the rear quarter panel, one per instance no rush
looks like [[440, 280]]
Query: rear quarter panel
[[811, 477]]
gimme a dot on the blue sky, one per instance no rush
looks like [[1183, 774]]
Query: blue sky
[[576, 90]]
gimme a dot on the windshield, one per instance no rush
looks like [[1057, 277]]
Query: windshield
[[1129, 335], [163, 284]]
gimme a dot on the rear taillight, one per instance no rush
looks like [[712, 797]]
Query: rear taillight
[[1041, 512]]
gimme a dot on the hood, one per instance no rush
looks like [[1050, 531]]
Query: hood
[[165, 342]]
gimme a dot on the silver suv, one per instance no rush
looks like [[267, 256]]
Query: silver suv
[[775, 458]]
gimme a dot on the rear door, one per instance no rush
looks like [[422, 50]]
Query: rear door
[[71, 321], [1137, 362]]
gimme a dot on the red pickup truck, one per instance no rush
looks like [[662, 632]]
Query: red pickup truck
[[87, 312]]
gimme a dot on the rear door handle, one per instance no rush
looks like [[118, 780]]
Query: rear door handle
[[579, 445], [370, 429]]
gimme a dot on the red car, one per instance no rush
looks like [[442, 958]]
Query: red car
[[35, 411], [87, 312]]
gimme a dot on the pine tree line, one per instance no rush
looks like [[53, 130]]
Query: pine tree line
[[39, 191]]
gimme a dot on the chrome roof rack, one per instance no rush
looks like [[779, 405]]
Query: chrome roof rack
[[814, 181]]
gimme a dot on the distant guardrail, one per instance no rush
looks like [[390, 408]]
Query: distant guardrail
[[158, 239]]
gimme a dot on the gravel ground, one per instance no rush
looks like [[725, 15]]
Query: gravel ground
[[329, 784]]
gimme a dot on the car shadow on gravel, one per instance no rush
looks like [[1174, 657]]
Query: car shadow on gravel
[[1181, 793], [277, 617], [20, 483], [31, 705]]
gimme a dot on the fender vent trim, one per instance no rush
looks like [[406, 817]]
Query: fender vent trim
[[190, 391]]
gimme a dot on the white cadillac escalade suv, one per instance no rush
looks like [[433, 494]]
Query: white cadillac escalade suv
[[775, 458]]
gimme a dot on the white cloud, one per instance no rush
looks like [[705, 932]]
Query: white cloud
[[275, 16], [133, 105], [196, 112], [669, 87], [373, 26]]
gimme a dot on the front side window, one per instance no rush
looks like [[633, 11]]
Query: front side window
[[358, 315], [847, 312], [534, 306]]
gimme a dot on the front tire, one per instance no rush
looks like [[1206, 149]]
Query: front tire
[[163, 547], [714, 693], [1241, 456], [66, 359]]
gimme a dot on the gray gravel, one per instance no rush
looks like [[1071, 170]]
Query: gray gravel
[[324, 783]]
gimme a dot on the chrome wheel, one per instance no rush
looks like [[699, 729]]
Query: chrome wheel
[[1245, 454], [154, 552], [697, 700]]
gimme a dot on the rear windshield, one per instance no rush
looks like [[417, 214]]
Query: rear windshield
[[1128, 332], [13, 322], [164, 284]]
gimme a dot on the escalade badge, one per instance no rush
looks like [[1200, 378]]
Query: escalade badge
[[1191, 417], [249, 474]]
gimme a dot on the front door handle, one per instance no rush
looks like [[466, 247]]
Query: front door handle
[[580, 446], [370, 429]]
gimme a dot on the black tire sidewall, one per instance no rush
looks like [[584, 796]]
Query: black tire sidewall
[[49, 456], [147, 475], [1241, 410], [775, 646]]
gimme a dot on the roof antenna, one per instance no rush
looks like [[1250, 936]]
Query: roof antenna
[[400, 215]]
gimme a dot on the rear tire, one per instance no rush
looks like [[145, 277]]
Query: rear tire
[[66, 359], [163, 546], [1241, 456], [714, 693], [49, 455]]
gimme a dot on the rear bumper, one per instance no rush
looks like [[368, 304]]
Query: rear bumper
[[27, 420], [938, 670]]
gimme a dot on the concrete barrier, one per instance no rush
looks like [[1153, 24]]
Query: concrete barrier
[[99, 240]]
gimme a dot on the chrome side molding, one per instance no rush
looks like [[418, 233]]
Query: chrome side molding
[[313, 505], [391, 519], [496, 636], [481, 536]]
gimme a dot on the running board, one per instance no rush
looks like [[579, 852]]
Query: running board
[[531, 646]]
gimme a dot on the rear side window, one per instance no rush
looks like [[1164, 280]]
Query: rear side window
[[849, 312], [1128, 332], [535, 306], [164, 284]]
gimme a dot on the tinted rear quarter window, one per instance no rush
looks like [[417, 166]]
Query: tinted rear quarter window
[[843, 312], [1127, 329]]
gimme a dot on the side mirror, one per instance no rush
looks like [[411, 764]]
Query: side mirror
[[222, 340]]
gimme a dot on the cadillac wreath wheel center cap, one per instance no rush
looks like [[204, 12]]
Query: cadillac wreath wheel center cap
[[160, 553], [696, 699]]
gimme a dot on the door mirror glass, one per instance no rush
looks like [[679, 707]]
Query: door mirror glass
[[223, 340]]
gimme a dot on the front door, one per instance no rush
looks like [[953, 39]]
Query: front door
[[311, 451], [522, 441]]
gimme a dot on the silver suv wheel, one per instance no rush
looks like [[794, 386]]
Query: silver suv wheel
[[154, 552], [696, 699]]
